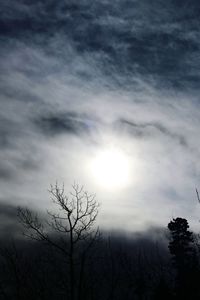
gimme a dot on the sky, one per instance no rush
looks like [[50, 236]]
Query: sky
[[79, 78]]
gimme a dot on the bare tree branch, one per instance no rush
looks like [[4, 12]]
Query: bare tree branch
[[74, 220]]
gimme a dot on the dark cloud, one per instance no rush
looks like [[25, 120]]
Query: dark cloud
[[5, 173], [146, 130], [9, 223], [8, 211], [12, 167], [17, 149], [157, 40], [69, 123], [8, 131]]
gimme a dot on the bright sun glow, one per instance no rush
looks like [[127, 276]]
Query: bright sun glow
[[110, 168]]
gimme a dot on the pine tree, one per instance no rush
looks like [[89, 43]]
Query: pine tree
[[182, 248]]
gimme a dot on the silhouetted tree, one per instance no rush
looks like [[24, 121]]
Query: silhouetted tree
[[162, 290], [182, 248], [73, 225]]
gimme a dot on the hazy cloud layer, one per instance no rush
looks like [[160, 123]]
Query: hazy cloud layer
[[75, 75]]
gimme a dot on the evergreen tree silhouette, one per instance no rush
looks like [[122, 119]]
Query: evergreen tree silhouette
[[185, 261]]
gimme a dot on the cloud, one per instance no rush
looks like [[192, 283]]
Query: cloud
[[132, 39], [147, 130], [69, 123], [78, 76]]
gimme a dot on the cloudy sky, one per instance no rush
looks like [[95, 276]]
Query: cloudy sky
[[82, 78]]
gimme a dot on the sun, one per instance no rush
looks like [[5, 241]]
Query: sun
[[111, 168]]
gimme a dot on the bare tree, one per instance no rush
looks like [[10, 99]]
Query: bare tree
[[73, 224]]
